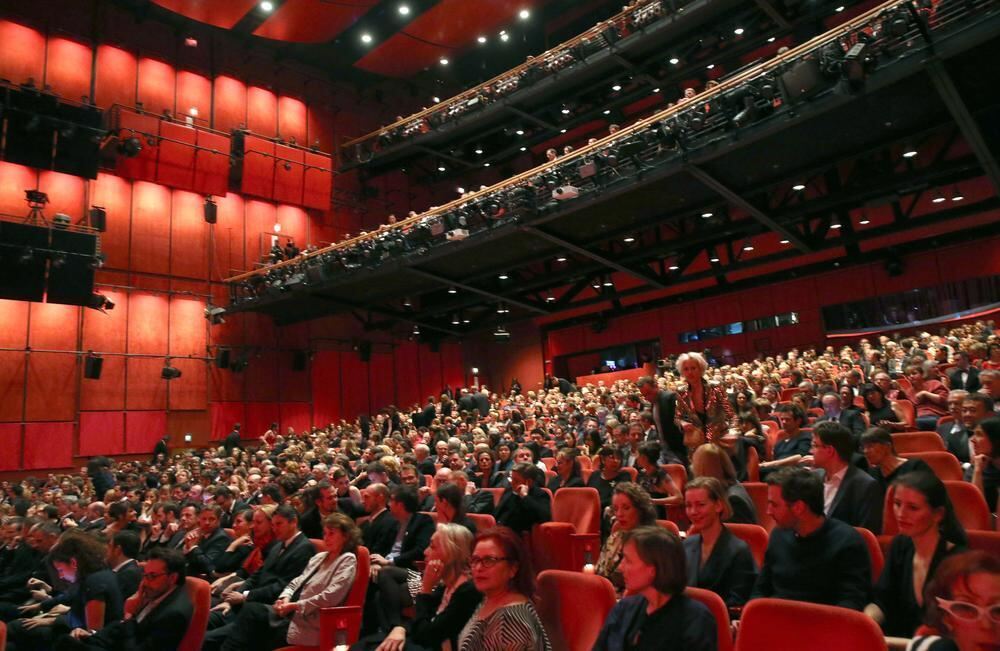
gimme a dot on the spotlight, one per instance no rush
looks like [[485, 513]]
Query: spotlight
[[442, 168], [169, 372], [455, 320], [956, 194], [452, 290], [486, 164], [501, 333], [549, 297], [616, 87], [366, 38], [798, 187], [267, 6], [784, 242], [710, 66], [673, 267], [479, 150], [706, 215], [215, 314], [738, 31], [61, 220], [864, 221], [747, 245], [561, 259], [444, 61], [481, 40], [407, 302], [130, 147], [771, 40], [909, 151], [629, 239], [714, 258], [404, 10], [191, 41], [460, 190], [607, 282], [520, 132], [416, 331], [565, 110], [100, 302], [503, 276], [835, 224], [436, 99], [674, 61], [524, 149], [524, 14], [938, 198], [504, 37], [277, 228]]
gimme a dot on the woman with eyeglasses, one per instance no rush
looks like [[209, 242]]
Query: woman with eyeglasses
[[929, 532], [506, 619], [963, 605]]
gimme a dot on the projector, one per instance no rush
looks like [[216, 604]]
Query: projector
[[457, 234], [565, 192]]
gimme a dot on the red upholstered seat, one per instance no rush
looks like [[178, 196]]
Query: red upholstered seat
[[783, 625], [200, 593], [575, 528], [944, 464], [758, 493], [905, 442], [988, 541], [573, 607], [483, 521], [875, 555], [724, 632], [753, 535], [970, 505]]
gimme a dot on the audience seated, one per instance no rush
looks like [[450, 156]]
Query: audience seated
[[849, 494], [524, 504], [986, 462], [709, 460], [929, 397], [793, 444], [631, 507], [567, 469], [883, 463]]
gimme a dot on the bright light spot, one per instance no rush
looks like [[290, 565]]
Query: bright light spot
[[193, 111], [864, 222], [714, 259], [460, 190], [909, 153], [267, 6], [481, 39], [504, 36], [674, 61], [629, 239], [277, 228], [798, 187], [738, 31], [436, 99], [444, 61], [503, 276], [706, 215], [366, 38], [524, 149], [784, 242], [404, 10], [616, 87], [710, 66], [560, 259], [770, 40], [520, 132], [524, 14]]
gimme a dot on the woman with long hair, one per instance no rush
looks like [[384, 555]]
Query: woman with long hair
[[881, 412], [631, 507], [709, 460], [655, 480], [449, 507], [928, 533], [986, 459], [568, 471]]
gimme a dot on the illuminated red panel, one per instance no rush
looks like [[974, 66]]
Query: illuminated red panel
[[211, 163], [107, 392], [260, 220], [292, 119], [143, 429], [260, 415], [115, 78], [65, 194], [13, 323], [22, 53], [10, 443], [176, 161], [102, 432], [48, 445], [12, 364], [114, 194], [230, 110], [49, 326], [228, 246], [449, 25], [320, 122], [150, 228], [262, 112], [14, 180], [52, 385], [318, 181], [293, 222], [258, 167], [187, 326], [194, 92], [189, 391], [156, 86], [313, 21], [146, 389], [224, 415], [189, 249], [288, 173], [67, 68], [221, 14], [147, 324]]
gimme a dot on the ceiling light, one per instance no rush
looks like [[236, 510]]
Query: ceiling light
[[706, 215], [191, 41], [864, 221], [673, 267], [714, 258], [770, 40], [607, 112], [442, 168], [839, 9], [656, 90], [629, 239], [504, 37], [460, 190], [607, 282], [501, 333], [481, 39], [549, 298], [452, 290], [784, 242], [366, 38], [503, 276], [479, 149], [561, 259], [436, 99], [909, 152], [520, 132], [416, 330], [524, 14], [798, 187], [277, 228], [674, 61], [938, 198], [956, 194], [710, 66], [747, 245], [738, 31], [565, 111], [616, 87], [486, 164], [835, 223], [444, 61], [455, 320], [562, 131], [404, 10], [524, 149], [267, 6]]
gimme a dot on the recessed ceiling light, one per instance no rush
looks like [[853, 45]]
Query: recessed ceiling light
[[629, 239], [607, 112], [784, 242], [674, 61], [938, 199], [706, 215], [616, 87], [524, 149], [738, 31], [460, 190], [520, 132], [865, 221], [909, 153], [452, 290], [267, 6], [798, 187], [503, 276], [404, 10], [486, 164], [561, 259], [673, 267], [504, 36], [442, 168], [770, 40], [366, 38], [444, 61], [524, 14], [748, 246], [656, 90], [436, 99], [714, 258], [839, 9], [481, 39], [565, 111], [562, 131], [710, 66], [479, 150]]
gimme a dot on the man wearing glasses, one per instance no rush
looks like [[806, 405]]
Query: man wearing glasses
[[158, 620], [849, 494]]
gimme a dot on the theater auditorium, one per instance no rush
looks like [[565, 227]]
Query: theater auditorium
[[499, 325]]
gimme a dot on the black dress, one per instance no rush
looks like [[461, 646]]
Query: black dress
[[894, 589], [908, 466]]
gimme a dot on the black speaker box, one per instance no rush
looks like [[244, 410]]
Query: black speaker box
[[92, 367], [22, 264], [71, 280], [222, 358]]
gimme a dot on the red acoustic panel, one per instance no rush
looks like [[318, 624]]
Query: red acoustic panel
[[10, 443], [354, 390], [262, 112], [101, 432], [258, 168], [157, 82], [228, 240], [407, 366], [224, 415], [147, 323], [325, 371], [53, 326], [288, 174], [224, 385], [260, 415], [12, 365], [211, 166], [194, 92], [14, 180], [13, 323], [221, 14], [297, 415], [115, 80], [150, 228], [146, 128], [107, 392], [260, 220], [319, 120], [230, 110], [189, 239], [48, 445], [145, 388], [294, 224], [187, 326], [312, 21], [175, 164], [143, 429], [452, 368], [190, 390], [22, 53], [52, 387], [382, 381], [106, 331], [66, 193], [264, 364], [114, 194], [318, 181], [68, 67], [292, 119], [294, 385], [431, 381]]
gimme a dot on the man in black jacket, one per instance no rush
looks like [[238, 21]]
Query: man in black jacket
[[849, 494], [840, 409], [325, 503], [230, 506], [524, 504], [964, 376], [123, 549], [379, 532], [232, 440], [664, 406], [205, 545]]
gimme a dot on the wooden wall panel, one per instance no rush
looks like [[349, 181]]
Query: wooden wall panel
[[66, 194], [68, 68], [107, 392], [13, 323], [101, 432], [10, 443], [22, 53], [48, 445], [150, 242], [146, 389], [106, 331], [188, 325], [229, 240], [114, 194], [117, 74], [190, 390], [12, 365], [51, 390], [262, 112], [194, 91], [53, 326], [292, 119], [143, 429], [230, 97], [157, 86], [188, 236], [147, 323]]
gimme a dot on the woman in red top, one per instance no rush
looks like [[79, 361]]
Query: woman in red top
[[929, 397]]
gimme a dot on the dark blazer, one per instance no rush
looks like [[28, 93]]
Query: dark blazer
[[482, 403], [572, 482], [160, 630], [479, 502], [416, 538], [729, 571], [467, 403], [671, 436], [686, 624], [280, 567], [956, 442], [380, 534], [226, 522], [430, 628], [21, 566], [311, 523], [851, 419], [971, 383], [202, 559], [858, 501], [129, 576], [522, 513]]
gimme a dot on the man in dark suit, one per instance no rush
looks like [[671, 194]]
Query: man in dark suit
[[379, 532], [325, 503], [849, 494], [160, 619], [482, 399], [466, 402], [476, 502], [161, 448], [230, 506], [524, 504], [840, 409], [123, 549], [964, 376], [232, 440], [424, 463], [425, 417], [953, 432], [205, 545], [664, 407]]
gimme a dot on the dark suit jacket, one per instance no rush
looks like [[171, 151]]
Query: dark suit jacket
[[21, 566], [671, 436], [482, 403], [851, 419], [129, 577], [202, 559], [226, 522], [858, 501], [311, 523], [522, 513], [380, 534], [280, 567], [467, 403], [416, 537], [479, 502], [728, 572], [573, 482], [971, 383], [161, 630]]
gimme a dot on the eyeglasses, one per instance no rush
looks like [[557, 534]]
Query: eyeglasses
[[486, 561], [967, 612], [154, 575]]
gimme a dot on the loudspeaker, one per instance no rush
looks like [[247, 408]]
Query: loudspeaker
[[222, 358], [99, 218], [71, 282], [22, 263], [211, 211], [92, 367], [365, 351], [300, 359]]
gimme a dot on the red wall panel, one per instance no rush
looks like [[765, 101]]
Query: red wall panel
[[288, 174], [157, 82], [317, 181], [294, 414], [187, 326], [66, 193], [147, 324], [150, 250], [14, 180], [229, 240], [52, 387], [188, 237], [145, 389], [354, 390], [258, 168], [115, 81], [108, 392], [260, 415], [293, 385], [260, 220], [263, 365], [143, 429], [262, 112], [212, 164], [224, 415], [194, 92], [48, 445], [22, 53], [101, 432], [114, 194], [407, 368], [190, 390], [382, 381], [325, 375], [12, 366], [294, 222], [224, 385], [67, 68], [53, 326], [175, 164], [13, 323], [230, 110], [10, 443], [292, 119], [320, 124], [453, 372]]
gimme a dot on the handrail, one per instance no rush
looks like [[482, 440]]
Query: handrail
[[596, 30], [597, 146]]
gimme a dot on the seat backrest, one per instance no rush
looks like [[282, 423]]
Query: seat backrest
[[906, 408], [970, 505], [786, 394], [318, 544], [988, 541], [905, 442], [753, 535], [483, 521], [783, 625], [585, 474], [200, 593], [944, 464], [356, 597], [563, 596], [753, 464], [757, 491], [497, 493], [669, 525], [549, 462], [585, 462], [724, 633], [633, 473], [889, 526], [580, 507], [875, 556]]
